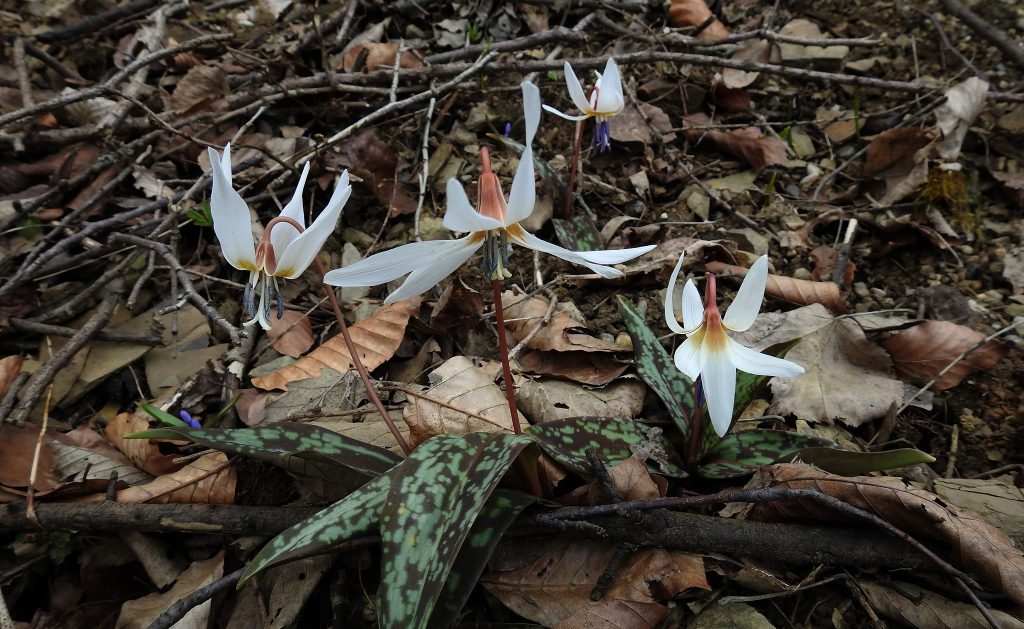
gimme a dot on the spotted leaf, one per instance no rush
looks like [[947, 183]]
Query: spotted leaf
[[742, 453]]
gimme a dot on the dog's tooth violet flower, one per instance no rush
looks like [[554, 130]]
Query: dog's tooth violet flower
[[492, 225], [605, 101], [287, 247], [709, 353]]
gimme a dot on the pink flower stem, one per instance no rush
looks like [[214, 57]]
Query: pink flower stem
[[570, 187], [506, 369], [696, 431]]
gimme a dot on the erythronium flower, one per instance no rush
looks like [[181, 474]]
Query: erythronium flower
[[495, 222], [605, 101], [287, 247], [709, 353]]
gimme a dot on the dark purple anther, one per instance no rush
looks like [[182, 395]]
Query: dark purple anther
[[188, 419], [602, 139], [699, 399]]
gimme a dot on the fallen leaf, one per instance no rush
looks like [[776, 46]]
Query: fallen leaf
[[683, 13], [549, 581], [633, 481], [201, 86], [141, 612], [10, 367], [592, 368], [796, 54], [562, 333], [748, 144], [977, 546], [1013, 269], [144, 454], [915, 606], [19, 444], [757, 50], [720, 616], [375, 162], [377, 339], [998, 503], [377, 55], [634, 124], [545, 400], [207, 480], [292, 334], [458, 384], [924, 351], [798, 292], [893, 153], [954, 117]]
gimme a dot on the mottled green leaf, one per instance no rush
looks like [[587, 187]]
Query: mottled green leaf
[[847, 463], [748, 385], [741, 453], [567, 441], [300, 448], [657, 369], [356, 514], [435, 497], [578, 233], [499, 513]]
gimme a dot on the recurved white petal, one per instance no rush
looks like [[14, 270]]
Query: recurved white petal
[[752, 361], [284, 233], [687, 356], [551, 109], [524, 238], [670, 293], [392, 264], [693, 307], [427, 276], [301, 252], [523, 195], [743, 310], [579, 98], [230, 214], [461, 216], [718, 376], [609, 98]]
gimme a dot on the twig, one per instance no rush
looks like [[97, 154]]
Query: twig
[[7, 403], [24, 84], [425, 171], [999, 39], [30, 495], [183, 606], [154, 36], [559, 34], [190, 291], [59, 360], [94, 22], [25, 325], [72, 306]]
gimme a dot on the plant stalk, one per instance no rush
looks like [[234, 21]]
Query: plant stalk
[[696, 432], [571, 186], [510, 386]]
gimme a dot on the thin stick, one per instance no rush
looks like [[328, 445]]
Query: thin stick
[[30, 506], [506, 369]]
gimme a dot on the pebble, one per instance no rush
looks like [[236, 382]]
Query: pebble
[[966, 250], [1015, 310], [861, 290], [801, 274], [878, 293], [992, 295]]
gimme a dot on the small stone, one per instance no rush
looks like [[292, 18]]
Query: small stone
[[878, 293], [966, 250], [801, 274], [1015, 310], [861, 290], [992, 296]]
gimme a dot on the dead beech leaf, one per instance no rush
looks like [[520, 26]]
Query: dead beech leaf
[[207, 480], [923, 351], [549, 581], [457, 384], [593, 368], [292, 334], [562, 333], [999, 503], [549, 399], [977, 546], [19, 445], [10, 367], [378, 55], [198, 89], [375, 162], [377, 339], [144, 454], [758, 50], [748, 144], [892, 153], [683, 13], [141, 612], [633, 481], [964, 102], [790, 290], [915, 606]]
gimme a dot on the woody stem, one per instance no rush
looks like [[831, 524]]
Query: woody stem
[[349, 343], [506, 369], [570, 187]]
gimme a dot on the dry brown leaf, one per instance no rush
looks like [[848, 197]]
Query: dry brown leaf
[[546, 400], [562, 333], [88, 469], [633, 481], [915, 606], [372, 159], [377, 339], [593, 368], [976, 545], [198, 89], [748, 144], [378, 55], [923, 351], [798, 292], [683, 13], [292, 334], [10, 367], [549, 581], [757, 50], [144, 454], [457, 384], [1013, 269], [207, 480], [18, 448], [141, 612], [999, 503]]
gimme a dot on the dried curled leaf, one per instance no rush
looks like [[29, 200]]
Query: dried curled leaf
[[923, 351], [292, 334], [976, 545], [747, 144], [561, 333], [682, 13], [798, 292], [207, 480], [915, 606], [377, 339]]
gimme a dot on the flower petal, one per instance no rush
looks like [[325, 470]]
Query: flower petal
[[670, 293], [440, 267], [687, 356], [609, 98], [579, 98], [381, 268], [301, 252], [752, 361], [461, 216], [230, 214], [551, 109], [523, 195], [693, 307], [718, 376], [283, 233], [743, 310], [594, 260]]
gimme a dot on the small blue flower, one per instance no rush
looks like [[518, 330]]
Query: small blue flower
[[188, 419], [508, 129]]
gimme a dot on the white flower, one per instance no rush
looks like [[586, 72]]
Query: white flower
[[288, 251], [496, 222], [708, 351], [605, 101]]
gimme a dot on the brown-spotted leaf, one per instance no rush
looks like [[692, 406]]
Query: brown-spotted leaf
[[292, 334], [923, 351], [549, 581], [207, 480], [694, 13], [788, 289], [974, 544], [376, 338]]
